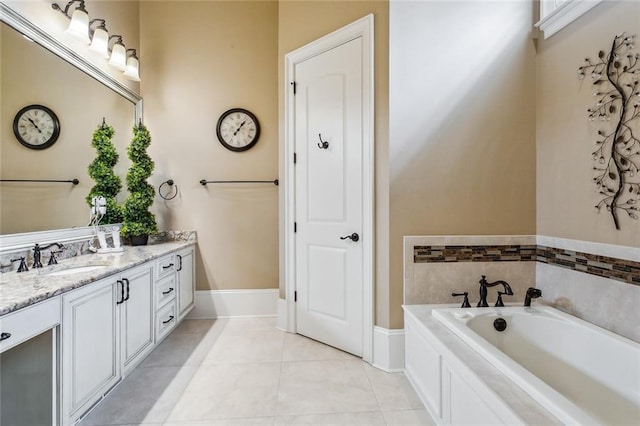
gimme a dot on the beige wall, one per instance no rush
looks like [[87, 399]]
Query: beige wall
[[202, 58], [301, 22], [33, 75], [461, 124], [565, 138]]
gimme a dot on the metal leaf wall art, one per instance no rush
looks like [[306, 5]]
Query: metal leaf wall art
[[617, 151]]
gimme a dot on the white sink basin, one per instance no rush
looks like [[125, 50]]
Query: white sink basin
[[74, 270]]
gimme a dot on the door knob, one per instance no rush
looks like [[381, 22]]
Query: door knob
[[353, 237]]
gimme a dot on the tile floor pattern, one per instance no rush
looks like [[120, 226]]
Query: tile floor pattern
[[246, 372]]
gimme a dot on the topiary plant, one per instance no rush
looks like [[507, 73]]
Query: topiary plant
[[138, 220], [108, 184]]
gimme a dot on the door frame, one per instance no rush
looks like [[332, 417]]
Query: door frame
[[361, 28]]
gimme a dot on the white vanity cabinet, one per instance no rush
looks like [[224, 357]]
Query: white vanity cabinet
[[136, 316], [174, 289], [107, 329], [166, 290], [90, 345], [77, 333], [186, 281]]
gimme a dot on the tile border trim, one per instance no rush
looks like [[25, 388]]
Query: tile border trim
[[619, 269]]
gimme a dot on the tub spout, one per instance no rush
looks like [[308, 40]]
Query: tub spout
[[483, 290], [532, 293]]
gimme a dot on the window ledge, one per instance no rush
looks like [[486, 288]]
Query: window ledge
[[564, 14]]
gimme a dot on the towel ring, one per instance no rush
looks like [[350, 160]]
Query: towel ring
[[168, 196]]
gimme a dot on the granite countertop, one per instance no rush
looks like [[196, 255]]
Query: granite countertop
[[19, 290]]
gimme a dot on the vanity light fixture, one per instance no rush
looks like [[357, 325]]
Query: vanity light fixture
[[79, 25], [118, 54], [100, 38], [133, 66]]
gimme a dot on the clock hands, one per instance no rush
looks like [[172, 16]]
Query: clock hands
[[34, 124], [239, 127]]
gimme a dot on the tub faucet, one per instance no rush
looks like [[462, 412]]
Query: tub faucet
[[483, 290], [532, 293]]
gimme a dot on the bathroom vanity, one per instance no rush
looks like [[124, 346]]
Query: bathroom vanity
[[71, 332]]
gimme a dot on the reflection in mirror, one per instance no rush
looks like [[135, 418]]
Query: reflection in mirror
[[31, 74]]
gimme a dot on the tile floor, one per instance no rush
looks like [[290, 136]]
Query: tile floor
[[246, 372]]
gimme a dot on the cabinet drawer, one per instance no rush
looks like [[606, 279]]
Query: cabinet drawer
[[26, 323], [165, 321], [165, 290], [165, 266]]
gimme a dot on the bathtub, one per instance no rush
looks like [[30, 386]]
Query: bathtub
[[579, 372]]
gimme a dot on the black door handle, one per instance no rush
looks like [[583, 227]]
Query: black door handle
[[180, 259], [4, 336], [168, 291], [121, 292], [353, 237], [169, 320], [127, 281]]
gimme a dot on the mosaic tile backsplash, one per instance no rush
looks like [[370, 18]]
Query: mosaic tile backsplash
[[623, 270]]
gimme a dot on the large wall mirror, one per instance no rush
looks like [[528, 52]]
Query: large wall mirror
[[36, 69]]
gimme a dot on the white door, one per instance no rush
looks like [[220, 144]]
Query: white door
[[329, 196]]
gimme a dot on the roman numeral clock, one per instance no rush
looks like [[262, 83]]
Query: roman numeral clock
[[36, 127], [238, 129]]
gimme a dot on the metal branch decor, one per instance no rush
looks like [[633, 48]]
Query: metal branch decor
[[617, 152]]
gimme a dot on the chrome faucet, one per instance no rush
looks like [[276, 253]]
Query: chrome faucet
[[483, 291]]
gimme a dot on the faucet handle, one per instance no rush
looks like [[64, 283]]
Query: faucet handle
[[52, 259], [23, 265], [465, 302], [499, 301]]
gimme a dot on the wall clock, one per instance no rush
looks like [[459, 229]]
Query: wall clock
[[238, 129], [36, 127]]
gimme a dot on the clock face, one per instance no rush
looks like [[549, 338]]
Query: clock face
[[36, 127], [238, 129]]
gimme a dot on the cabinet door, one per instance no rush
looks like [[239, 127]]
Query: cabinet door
[[136, 315], [90, 348], [186, 281]]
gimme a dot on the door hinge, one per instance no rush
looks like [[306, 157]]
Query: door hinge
[[294, 84], [295, 296], [295, 158], [295, 226]]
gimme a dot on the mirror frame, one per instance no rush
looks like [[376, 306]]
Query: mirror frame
[[14, 242]]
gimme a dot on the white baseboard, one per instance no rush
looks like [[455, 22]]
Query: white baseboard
[[388, 349], [235, 303], [283, 315]]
